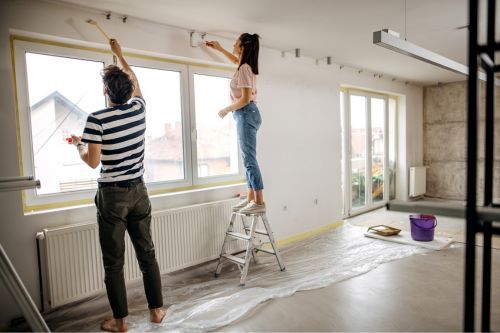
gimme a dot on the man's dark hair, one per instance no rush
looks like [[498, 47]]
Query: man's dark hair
[[250, 56], [118, 84]]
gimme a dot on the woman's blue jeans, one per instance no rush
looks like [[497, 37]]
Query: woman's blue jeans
[[248, 121]]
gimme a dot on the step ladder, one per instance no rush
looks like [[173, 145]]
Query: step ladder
[[253, 244]]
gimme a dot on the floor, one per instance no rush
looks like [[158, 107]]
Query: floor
[[414, 291], [423, 292], [418, 293]]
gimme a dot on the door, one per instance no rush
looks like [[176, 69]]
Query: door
[[365, 146]]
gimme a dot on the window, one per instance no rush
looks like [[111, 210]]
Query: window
[[216, 141], [161, 89], [343, 152], [392, 147], [62, 92], [186, 141], [378, 148], [358, 150]]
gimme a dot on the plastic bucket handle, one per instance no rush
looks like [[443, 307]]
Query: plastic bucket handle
[[417, 226]]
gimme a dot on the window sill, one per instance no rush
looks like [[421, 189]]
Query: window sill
[[154, 196]]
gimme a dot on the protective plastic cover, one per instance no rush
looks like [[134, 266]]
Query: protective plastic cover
[[200, 302]]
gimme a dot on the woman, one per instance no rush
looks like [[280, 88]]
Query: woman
[[245, 112]]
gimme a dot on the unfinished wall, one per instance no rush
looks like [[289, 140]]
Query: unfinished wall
[[299, 142], [445, 141]]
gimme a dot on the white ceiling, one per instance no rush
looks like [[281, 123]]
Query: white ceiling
[[339, 28]]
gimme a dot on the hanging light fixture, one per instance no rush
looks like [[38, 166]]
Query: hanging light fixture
[[391, 40]]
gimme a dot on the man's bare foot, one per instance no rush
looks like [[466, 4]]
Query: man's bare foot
[[156, 315], [114, 325]]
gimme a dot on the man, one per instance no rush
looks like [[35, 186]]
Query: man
[[115, 138]]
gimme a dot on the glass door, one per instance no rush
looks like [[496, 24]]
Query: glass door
[[358, 130], [365, 145]]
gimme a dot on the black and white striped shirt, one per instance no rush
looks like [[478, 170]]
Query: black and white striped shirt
[[120, 130]]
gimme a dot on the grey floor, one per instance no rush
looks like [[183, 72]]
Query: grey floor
[[418, 293], [423, 292]]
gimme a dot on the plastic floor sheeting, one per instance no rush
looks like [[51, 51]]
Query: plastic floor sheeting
[[199, 302]]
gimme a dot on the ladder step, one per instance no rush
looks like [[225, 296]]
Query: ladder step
[[238, 235], [266, 251], [259, 231], [248, 214], [235, 259]]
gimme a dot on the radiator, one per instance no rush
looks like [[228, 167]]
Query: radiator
[[71, 263], [418, 181]]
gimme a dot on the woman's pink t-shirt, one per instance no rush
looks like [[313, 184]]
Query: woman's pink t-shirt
[[243, 78]]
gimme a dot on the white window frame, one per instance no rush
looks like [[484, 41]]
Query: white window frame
[[185, 118], [26, 141], [32, 201], [369, 205], [221, 178]]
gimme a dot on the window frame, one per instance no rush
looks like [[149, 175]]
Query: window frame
[[220, 178], [26, 155], [185, 119], [87, 51]]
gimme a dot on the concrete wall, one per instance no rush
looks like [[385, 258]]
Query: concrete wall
[[299, 144], [445, 140]]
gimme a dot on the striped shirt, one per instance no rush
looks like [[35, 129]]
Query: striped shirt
[[120, 130]]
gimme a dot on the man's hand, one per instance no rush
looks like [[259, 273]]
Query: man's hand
[[115, 47], [75, 140]]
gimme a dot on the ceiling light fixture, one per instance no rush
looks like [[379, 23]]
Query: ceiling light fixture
[[385, 39]]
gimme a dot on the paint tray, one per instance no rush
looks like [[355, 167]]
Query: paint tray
[[384, 230]]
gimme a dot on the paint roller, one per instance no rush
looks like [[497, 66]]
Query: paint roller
[[94, 23]]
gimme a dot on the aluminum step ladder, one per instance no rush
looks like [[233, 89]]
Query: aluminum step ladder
[[253, 244]]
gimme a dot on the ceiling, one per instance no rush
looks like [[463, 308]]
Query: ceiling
[[341, 29]]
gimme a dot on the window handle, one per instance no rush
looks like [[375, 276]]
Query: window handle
[[194, 135]]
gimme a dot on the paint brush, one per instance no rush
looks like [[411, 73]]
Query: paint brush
[[90, 21]]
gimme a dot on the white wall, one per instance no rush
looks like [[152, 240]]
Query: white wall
[[299, 143]]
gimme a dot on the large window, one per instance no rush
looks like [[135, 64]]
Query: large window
[[161, 89], [216, 147], [62, 92], [186, 142]]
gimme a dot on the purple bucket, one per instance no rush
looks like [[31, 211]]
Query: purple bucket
[[422, 227]]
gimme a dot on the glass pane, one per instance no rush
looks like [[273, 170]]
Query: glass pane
[[161, 89], [358, 150], [217, 145], [342, 166], [62, 92], [378, 148], [392, 148]]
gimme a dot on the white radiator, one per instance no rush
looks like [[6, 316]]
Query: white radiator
[[418, 181], [71, 261]]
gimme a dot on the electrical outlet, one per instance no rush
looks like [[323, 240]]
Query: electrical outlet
[[285, 207]]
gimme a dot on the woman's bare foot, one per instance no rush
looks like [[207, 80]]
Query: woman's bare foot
[[114, 325], [156, 315]]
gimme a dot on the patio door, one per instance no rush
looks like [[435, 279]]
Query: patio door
[[365, 151]]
